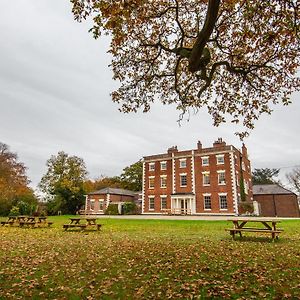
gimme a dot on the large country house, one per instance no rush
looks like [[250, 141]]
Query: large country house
[[201, 181]]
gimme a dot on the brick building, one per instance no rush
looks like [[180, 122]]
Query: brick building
[[97, 202], [276, 201], [199, 181]]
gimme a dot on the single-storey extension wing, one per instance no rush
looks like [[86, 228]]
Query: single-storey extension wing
[[275, 201], [97, 201]]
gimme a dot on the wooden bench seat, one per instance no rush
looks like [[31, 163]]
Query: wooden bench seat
[[7, 223], [30, 223], [67, 226], [274, 233]]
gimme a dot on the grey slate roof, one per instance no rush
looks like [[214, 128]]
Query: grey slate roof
[[270, 189], [113, 191]]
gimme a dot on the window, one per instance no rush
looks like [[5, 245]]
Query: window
[[205, 160], [207, 202], [92, 204], [151, 203], [151, 166], [163, 202], [183, 180], [206, 178], [221, 177], [151, 182], [220, 159], [163, 181], [163, 165], [182, 163], [223, 201], [101, 205], [246, 187], [243, 166]]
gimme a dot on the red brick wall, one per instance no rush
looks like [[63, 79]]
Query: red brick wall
[[157, 191], [121, 198], [278, 205], [96, 205], [214, 188]]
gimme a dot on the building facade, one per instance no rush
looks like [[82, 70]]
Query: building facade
[[276, 201], [200, 181], [97, 202]]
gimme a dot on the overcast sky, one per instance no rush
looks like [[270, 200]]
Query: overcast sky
[[55, 87]]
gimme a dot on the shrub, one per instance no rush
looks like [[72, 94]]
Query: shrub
[[15, 211], [246, 208], [129, 208], [112, 209]]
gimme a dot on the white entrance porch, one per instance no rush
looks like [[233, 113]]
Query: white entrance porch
[[183, 204]]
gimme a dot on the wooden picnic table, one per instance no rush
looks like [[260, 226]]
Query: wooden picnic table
[[76, 222], [269, 226]]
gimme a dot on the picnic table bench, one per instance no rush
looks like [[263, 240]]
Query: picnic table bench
[[29, 221], [269, 226], [76, 222]]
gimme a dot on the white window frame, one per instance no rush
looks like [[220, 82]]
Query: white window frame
[[163, 197], [92, 201], [246, 187], [151, 187], [243, 166], [221, 172], [183, 174], [161, 180], [102, 202], [203, 176], [206, 195], [163, 163], [152, 166], [222, 195], [223, 159], [151, 198], [182, 163], [202, 161]]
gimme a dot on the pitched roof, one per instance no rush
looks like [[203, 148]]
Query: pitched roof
[[113, 191], [270, 189]]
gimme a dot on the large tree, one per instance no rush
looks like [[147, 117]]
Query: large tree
[[63, 183], [265, 176], [235, 57], [101, 183], [132, 176], [294, 179], [13, 180]]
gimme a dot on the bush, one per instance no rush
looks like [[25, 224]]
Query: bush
[[112, 209], [129, 208], [246, 208], [15, 211]]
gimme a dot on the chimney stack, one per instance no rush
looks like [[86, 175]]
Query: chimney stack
[[244, 151], [219, 143], [199, 145], [172, 149]]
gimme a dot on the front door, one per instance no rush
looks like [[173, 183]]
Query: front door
[[183, 205]]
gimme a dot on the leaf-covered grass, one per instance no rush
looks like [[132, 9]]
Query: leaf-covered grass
[[148, 259]]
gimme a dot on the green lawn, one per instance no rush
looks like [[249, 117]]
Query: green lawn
[[148, 259]]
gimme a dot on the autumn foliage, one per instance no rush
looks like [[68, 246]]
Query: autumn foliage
[[236, 58], [13, 180]]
